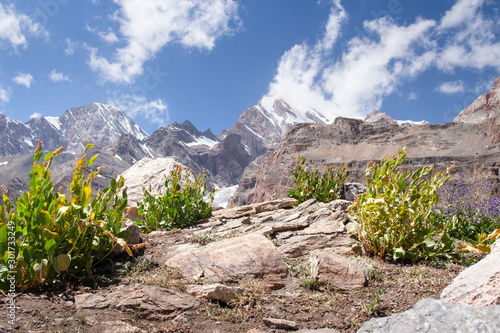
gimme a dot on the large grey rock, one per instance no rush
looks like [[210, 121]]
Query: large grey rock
[[434, 316], [478, 285], [232, 260]]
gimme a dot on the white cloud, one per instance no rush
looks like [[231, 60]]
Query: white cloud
[[58, 77], [452, 87], [70, 47], [14, 26], [470, 38], [373, 66], [109, 37], [148, 25], [369, 70], [24, 79], [36, 115], [462, 11], [4, 96], [155, 111], [412, 96]]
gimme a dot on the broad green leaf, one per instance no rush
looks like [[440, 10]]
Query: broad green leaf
[[50, 247], [429, 242]]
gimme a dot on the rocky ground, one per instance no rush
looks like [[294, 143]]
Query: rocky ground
[[267, 267]]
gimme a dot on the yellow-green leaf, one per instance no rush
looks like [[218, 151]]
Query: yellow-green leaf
[[61, 262]]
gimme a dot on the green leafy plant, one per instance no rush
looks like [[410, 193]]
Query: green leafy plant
[[374, 303], [396, 213], [483, 244], [178, 207], [49, 235], [311, 185]]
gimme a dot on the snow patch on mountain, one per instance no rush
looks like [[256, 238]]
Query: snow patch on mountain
[[54, 121], [202, 140], [222, 196]]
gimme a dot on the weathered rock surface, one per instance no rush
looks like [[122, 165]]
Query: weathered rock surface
[[485, 107], [151, 301], [434, 316], [478, 285], [215, 292], [232, 260], [339, 272], [150, 172], [119, 327], [468, 147], [280, 323]]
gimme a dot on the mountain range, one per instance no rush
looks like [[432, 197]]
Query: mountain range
[[237, 155]]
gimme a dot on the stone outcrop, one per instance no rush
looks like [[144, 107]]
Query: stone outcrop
[[150, 172], [434, 316], [153, 302], [262, 236], [233, 260], [478, 285], [485, 107]]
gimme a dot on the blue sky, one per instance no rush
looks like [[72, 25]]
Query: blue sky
[[207, 60]]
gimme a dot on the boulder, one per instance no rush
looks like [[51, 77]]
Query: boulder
[[435, 316], [232, 260], [339, 272], [478, 285]]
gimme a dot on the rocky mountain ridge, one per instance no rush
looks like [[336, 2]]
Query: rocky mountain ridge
[[101, 124], [470, 144]]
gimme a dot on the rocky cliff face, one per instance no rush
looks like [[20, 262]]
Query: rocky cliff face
[[465, 146], [485, 111], [101, 124]]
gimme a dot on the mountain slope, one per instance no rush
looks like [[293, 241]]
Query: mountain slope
[[264, 125], [101, 124]]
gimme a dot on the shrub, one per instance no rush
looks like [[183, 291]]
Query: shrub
[[176, 208], [54, 236], [310, 185], [472, 208], [396, 213]]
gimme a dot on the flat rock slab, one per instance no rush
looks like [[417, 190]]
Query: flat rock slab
[[478, 285], [151, 301], [119, 327], [433, 316], [339, 272], [215, 292], [232, 260], [280, 324], [300, 245]]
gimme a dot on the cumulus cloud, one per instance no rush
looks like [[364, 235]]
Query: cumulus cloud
[[14, 27], [23, 79], [35, 115], [58, 77], [374, 65], [4, 96], [155, 111], [148, 25], [471, 39], [452, 87]]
